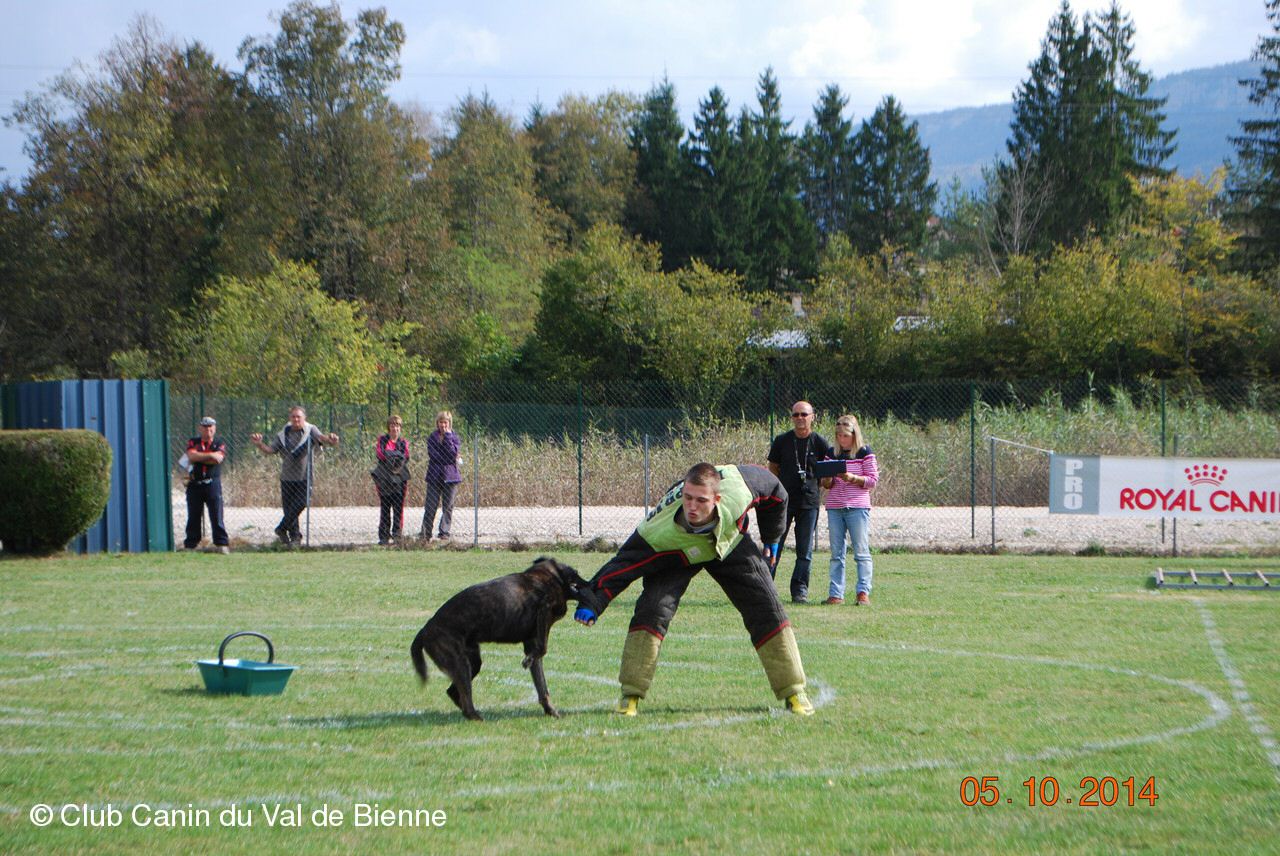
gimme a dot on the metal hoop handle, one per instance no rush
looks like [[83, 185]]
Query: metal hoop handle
[[271, 651]]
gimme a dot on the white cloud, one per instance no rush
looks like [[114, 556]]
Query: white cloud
[[450, 44]]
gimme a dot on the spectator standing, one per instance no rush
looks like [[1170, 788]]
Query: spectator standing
[[391, 478], [442, 476], [205, 454], [791, 458], [849, 509], [295, 446]]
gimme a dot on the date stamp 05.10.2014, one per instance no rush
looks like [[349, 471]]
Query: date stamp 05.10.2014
[[1045, 791]]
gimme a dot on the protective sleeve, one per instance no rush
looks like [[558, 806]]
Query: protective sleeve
[[770, 502], [634, 560]]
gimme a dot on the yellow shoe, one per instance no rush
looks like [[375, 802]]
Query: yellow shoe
[[800, 704], [628, 705]]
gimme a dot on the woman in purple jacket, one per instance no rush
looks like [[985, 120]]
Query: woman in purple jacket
[[442, 476]]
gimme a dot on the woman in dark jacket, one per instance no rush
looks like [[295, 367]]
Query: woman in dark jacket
[[391, 477]]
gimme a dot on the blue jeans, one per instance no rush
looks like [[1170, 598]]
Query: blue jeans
[[856, 522], [806, 521]]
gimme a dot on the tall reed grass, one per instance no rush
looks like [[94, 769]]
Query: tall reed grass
[[925, 464]]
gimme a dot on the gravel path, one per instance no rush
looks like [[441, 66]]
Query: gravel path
[[923, 529]]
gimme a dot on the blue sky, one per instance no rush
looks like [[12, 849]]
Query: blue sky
[[931, 54]]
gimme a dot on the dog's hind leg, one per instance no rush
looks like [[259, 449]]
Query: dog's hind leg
[[468, 661], [454, 659]]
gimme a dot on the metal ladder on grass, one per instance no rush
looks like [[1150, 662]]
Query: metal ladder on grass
[[1246, 581]]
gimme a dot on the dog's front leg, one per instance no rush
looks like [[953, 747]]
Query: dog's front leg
[[540, 684]]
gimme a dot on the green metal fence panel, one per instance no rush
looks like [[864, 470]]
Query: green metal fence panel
[[155, 445]]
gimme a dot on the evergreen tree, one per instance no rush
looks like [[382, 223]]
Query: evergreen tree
[[783, 242], [745, 183], [893, 197], [710, 154], [830, 168], [1084, 125], [657, 209], [1134, 143], [1256, 182]]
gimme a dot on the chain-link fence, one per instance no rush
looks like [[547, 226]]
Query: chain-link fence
[[546, 465]]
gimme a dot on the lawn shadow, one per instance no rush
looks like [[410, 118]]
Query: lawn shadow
[[411, 719], [193, 690]]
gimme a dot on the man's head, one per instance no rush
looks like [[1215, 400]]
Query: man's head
[[297, 417], [802, 418], [700, 494], [208, 427]]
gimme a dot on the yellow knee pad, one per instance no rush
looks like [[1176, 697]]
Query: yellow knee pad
[[780, 657], [639, 662]]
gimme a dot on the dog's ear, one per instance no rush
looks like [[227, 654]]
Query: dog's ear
[[568, 575]]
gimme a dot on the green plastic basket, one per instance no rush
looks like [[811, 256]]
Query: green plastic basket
[[245, 677]]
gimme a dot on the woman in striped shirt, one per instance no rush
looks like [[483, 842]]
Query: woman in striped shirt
[[849, 509]]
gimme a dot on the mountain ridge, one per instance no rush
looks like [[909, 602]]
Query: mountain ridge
[[1205, 106]]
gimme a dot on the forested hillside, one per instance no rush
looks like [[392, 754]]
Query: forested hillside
[[291, 231]]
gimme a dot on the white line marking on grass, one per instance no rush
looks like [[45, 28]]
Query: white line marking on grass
[[1219, 711], [1257, 725], [824, 695]]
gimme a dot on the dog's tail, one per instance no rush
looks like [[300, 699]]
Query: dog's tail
[[416, 651]]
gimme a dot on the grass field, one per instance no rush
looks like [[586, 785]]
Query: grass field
[[1008, 667]]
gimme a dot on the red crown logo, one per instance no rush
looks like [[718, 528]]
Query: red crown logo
[[1206, 474]]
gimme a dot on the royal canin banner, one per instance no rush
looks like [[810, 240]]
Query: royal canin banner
[[1207, 488]]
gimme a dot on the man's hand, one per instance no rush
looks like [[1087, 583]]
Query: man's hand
[[770, 553], [586, 616]]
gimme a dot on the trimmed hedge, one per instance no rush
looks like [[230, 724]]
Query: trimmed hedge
[[53, 486]]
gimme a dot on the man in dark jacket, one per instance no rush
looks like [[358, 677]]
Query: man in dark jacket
[[791, 458], [205, 454], [701, 523]]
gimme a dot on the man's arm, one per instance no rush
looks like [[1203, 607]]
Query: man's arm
[[256, 439], [330, 439], [771, 501], [775, 456], [214, 456]]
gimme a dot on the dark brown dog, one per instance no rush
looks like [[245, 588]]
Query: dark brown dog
[[515, 608]]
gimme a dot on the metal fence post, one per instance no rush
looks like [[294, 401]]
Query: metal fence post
[[1175, 519], [772, 432], [646, 474], [475, 487], [579, 457], [993, 494], [1163, 424], [973, 460]]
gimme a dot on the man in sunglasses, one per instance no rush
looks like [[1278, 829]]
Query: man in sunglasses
[[791, 458]]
